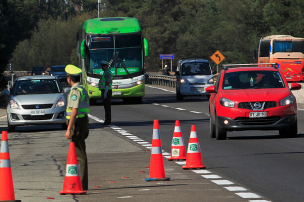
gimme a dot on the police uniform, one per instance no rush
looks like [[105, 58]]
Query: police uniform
[[106, 77], [79, 98]]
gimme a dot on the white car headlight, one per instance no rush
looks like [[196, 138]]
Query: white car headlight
[[14, 104], [182, 81], [61, 102], [211, 81], [287, 100], [93, 84], [226, 103]]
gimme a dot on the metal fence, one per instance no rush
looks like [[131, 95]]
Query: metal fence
[[162, 80]]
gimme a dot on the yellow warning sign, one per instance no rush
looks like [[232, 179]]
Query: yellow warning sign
[[217, 57]]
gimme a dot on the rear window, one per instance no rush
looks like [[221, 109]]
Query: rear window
[[196, 68], [253, 80], [58, 69]]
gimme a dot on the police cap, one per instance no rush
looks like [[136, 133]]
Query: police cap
[[73, 70], [104, 62]]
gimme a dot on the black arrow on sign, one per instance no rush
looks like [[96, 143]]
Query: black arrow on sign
[[216, 55]]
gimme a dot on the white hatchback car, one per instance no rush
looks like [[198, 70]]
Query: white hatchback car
[[36, 100], [193, 76]]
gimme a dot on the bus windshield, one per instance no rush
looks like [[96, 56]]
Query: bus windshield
[[288, 46], [128, 53]]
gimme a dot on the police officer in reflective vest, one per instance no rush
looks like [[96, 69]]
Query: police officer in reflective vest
[[77, 119], [105, 85]]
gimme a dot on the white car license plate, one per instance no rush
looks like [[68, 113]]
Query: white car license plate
[[116, 93], [257, 114], [37, 112], [288, 77]]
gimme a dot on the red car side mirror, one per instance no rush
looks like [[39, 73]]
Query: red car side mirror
[[210, 89], [295, 86]]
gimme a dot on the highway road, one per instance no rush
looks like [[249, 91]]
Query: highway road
[[258, 160]]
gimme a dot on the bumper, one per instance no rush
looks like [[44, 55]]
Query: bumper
[[24, 117], [194, 90], [267, 123], [136, 91]]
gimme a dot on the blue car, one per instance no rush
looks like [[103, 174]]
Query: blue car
[[59, 72]]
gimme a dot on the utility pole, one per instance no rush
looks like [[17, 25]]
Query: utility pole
[[99, 2]]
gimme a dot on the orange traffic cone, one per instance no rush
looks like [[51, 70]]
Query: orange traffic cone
[[177, 147], [6, 178], [194, 154], [72, 182], [157, 169]]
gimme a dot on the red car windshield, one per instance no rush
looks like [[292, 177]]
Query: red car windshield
[[252, 80]]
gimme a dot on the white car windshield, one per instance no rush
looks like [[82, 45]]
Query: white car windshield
[[36, 86]]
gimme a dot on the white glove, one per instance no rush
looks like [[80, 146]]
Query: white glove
[[106, 92]]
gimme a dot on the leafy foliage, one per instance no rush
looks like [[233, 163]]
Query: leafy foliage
[[44, 32]]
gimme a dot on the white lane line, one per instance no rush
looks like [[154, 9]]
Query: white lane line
[[259, 201], [180, 109], [247, 195], [181, 162], [165, 106], [222, 182], [211, 176], [235, 188], [201, 171], [155, 104], [143, 142], [196, 112], [166, 154]]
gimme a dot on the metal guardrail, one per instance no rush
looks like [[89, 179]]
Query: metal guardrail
[[17, 73], [162, 80]]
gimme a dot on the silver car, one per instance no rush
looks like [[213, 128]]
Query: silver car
[[36, 100]]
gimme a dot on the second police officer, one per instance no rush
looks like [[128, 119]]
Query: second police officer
[[105, 85], [78, 107]]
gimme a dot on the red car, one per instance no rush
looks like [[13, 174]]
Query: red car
[[247, 97]]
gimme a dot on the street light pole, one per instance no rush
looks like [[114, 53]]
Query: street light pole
[[99, 2]]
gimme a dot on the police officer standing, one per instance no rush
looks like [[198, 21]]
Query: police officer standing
[[77, 119], [105, 85]]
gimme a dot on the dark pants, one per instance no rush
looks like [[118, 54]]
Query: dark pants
[[79, 132], [107, 106]]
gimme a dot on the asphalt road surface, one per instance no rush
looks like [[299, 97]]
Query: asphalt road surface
[[258, 160]]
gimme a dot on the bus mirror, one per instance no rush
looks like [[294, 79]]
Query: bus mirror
[[255, 53], [146, 46], [82, 49]]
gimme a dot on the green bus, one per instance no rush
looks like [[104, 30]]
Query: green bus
[[116, 39]]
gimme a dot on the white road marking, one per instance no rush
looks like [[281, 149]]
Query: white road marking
[[196, 112], [235, 188], [247, 195], [180, 162], [180, 109], [201, 171], [222, 182], [211, 176], [2, 117]]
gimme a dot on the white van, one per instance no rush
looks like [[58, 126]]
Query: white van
[[193, 76]]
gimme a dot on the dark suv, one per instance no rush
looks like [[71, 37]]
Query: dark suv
[[38, 70], [59, 72]]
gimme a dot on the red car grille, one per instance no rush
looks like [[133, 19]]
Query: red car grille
[[251, 105], [257, 121]]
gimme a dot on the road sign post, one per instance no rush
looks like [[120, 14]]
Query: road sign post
[[166, 57], [217, 57]]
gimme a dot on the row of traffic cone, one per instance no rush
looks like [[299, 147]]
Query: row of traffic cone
[[194, 159]]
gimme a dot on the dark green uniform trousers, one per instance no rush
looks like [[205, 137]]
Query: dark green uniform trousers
[[107, 105], [79, 132]]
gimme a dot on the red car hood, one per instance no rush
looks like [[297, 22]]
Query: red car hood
[[256, 95]]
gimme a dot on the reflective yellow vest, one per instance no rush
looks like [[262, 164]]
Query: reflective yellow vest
[[102, 81], [84, 105]]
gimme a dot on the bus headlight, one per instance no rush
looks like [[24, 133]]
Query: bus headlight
[[140, 82], [182, 81], [93, 84]]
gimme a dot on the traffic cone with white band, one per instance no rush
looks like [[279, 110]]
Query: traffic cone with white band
[[178, 151], [6, 177], [72, 182], [194, 154], [157, 169]]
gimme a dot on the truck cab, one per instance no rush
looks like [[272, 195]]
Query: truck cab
[[193, 76]]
